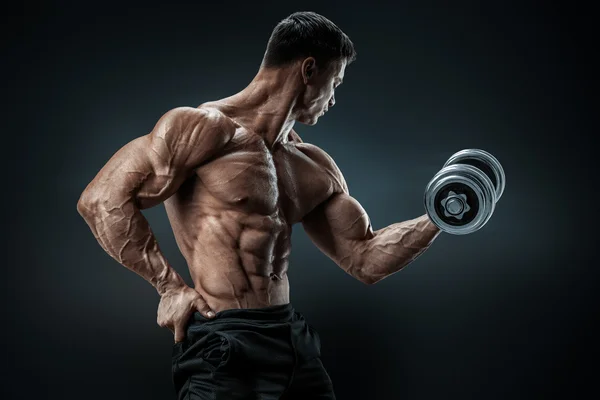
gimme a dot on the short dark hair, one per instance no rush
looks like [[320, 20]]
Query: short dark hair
[[307, 34]]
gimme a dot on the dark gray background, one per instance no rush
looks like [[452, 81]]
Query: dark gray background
[[504, 313]]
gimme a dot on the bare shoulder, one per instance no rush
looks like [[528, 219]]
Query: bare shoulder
[[185, 137], [181, 123], [325, 162]]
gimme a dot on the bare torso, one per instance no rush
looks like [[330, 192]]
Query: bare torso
[[233, 218]]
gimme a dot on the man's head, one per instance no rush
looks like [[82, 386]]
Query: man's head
[[319, 52]]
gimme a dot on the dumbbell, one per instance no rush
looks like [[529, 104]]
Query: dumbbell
[[461, 198]]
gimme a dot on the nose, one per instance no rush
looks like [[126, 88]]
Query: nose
[[331, 101]]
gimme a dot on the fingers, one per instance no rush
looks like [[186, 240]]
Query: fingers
[[204, 308], [179, 333]]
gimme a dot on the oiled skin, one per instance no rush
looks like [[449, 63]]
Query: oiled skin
[[234, 178], [234, 217]]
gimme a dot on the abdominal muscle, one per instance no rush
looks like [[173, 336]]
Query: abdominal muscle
[[232, 286], [237, 260]]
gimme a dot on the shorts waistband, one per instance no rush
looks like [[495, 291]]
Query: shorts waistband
[[277, 313]]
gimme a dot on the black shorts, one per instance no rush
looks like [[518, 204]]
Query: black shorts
[[261, 353]]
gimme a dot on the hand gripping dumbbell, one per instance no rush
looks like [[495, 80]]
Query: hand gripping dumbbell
[[461, 198]]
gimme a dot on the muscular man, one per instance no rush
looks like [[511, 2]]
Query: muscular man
[[234, 178]]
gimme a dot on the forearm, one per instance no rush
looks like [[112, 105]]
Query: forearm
[[393, 247], [124, 233]]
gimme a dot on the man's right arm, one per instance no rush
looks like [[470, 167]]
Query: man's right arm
[[144, 173]]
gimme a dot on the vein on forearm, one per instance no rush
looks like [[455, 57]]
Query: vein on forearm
[[124, 233]]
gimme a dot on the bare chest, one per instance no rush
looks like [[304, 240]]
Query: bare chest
[[250, 177]]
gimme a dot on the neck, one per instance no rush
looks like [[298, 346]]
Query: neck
[[266, 105]]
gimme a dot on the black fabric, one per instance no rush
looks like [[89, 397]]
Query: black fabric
[[261, 353]]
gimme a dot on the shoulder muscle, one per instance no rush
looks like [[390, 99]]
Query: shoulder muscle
[[184, 137], [326, 163]]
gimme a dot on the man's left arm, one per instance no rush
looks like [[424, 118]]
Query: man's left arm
[[341, 229]]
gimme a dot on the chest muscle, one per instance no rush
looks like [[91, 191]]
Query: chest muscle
[[247, 176]]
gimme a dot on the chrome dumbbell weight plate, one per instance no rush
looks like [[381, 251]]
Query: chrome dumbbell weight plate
[[460, 199], [483, 161]]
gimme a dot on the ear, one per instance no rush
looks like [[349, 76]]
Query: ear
[[309, 69]]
